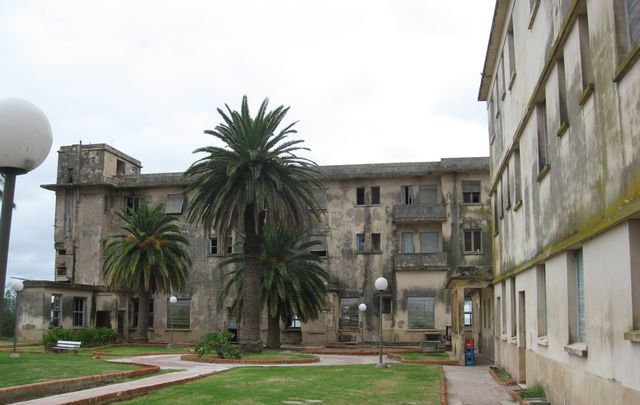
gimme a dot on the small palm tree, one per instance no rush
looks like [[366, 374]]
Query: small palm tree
[[256, 178], [293, 281], [148, 257]]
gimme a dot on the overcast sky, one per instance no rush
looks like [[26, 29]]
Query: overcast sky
[[369, 81]]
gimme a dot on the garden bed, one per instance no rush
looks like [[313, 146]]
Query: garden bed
[[501, 376], [261, 358]]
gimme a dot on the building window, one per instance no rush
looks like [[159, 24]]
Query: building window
[[517, 185], [229, 244], [472, 241], [131, 203], [135, 308], [471, 192], [319, 246], [503, 308], [495, 215], [634, 238], [577, 330], [468, 311], [429, 242], [349, 313], [514, 325], [421, 312], [181, 314], [294, 322], [360, 196], [512, 54], [541, 279], [586, 68], [213, 246], [501, 79], [506, 191], [633, 21], [543, 141], [79, 311], [70, 175], [498, 317], [386, 305], [360, 245], [175, 203], [406, 195], [428, 194], [54, 317], [320, 195], [119, 167], [407, 243], [375, 242], [375, 195], [562, 98]]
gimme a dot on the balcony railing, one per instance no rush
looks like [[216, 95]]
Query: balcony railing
[[419, 261], [419, 212]]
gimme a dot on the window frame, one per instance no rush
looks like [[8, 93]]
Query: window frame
[[360, 196], [79, 314], [429, 318], [179, 305], [135, 309], [375, 195], [472, 232], [361, 244], [473, 197], [351, 304], [57, 310]]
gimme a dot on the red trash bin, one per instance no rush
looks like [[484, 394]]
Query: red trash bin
[[469, 343]]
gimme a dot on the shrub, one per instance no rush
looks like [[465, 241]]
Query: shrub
[[88, 336], [534, 392], [220, 343]]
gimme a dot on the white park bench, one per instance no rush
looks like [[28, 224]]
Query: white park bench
[[67, 345]]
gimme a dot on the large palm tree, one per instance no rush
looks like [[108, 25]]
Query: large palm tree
[[293, 281], [146, 258], [255, 178]]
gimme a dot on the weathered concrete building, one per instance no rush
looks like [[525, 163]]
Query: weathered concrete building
[[413, 223], [562, 85]]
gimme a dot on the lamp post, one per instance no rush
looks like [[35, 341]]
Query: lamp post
[[172, 301], [26, 141], [362, 308], [381, 285], [17, 286]]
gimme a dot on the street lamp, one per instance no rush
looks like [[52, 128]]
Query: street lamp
[[381, 285], [17, 286], [172, 301], [26, 140], [362, 308]]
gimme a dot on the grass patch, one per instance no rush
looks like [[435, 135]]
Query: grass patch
[[142, 349], [425, 356], [502, 375], [352, 385], [534, 392], [9, 342], [275, 355], [33, 367]]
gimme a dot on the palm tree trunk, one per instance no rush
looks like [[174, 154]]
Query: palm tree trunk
[[249, 336], [143, 317], [273, 334]]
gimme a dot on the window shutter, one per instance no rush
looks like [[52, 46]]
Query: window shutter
[[428, 194], [429, 242], [421, 312], [580, 295]]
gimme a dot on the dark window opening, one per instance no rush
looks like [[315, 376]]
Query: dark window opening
[[386, 305], [132, 203], [119, 168], [470, 192], [135, 310], [375, 195], [69, 175], [360, 196], [406, 195], [375, 242], [349, 313]]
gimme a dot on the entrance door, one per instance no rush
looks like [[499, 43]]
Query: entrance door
[[522, 341]]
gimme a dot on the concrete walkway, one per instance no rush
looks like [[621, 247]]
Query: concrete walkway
[[189, 370], [474, 386]]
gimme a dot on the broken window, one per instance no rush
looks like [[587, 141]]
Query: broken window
[[349, 313], [375, 242], [319, 248], [471, 192], [119, 167], [360, 196], [375, 195], [79, 311], [54, 315], [131, 203], [406, 195], [386, 305], [69, 175], [135, 308], [175, 203], [472, 240], [407, 242], [360, 245], [421, 312], [429, 242]]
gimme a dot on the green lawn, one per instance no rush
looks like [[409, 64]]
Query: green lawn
[[275, 355], [352, 385], [143, 349], [425, 356], [32, 367], [9, 342]]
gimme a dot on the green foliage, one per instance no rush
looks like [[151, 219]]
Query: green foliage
[[218, 343], [88, 336], [7, 326], [534, 392]]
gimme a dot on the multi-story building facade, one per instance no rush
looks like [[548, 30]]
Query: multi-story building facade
[[562, 84], [413, 223]]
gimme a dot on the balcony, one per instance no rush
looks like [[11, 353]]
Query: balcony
[[420, 261], [419, 213]]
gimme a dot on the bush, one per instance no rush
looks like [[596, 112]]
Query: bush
[[220, 343], [8, 316], [88, 337]]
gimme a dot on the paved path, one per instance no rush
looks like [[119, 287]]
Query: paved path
[[190, 370], [474, 386]]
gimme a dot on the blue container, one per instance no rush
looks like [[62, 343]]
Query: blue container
[[469, 357]]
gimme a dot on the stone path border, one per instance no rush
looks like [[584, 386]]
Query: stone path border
[[191, 357]]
